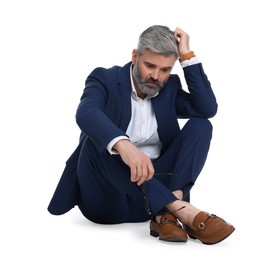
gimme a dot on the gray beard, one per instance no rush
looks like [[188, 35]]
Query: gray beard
[[142, 84]]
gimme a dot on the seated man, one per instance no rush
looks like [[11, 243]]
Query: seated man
[[133, 162]]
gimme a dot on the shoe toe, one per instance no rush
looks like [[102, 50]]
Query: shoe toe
[[168, 229], [209, 228]]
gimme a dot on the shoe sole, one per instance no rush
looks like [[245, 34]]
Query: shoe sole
[[214, 242], [180, 240], [170, 239]]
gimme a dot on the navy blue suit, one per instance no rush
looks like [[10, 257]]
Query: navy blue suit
[[99, 183]]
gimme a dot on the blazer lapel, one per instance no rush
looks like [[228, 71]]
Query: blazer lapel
[[124, 85]]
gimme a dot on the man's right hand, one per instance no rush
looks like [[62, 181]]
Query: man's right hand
[[141, 167]]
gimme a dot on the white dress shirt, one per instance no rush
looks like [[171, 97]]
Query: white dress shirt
[[142, 128]]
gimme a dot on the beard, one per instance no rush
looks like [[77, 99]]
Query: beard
[[142, 84]]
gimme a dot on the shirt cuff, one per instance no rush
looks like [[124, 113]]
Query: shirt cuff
[[189, 62], [113, 142]]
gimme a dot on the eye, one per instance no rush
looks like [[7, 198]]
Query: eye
[[149, 65], [166, 70]]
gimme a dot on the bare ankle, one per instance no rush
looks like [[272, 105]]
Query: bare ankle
[[184, 211], [178, 194], [158, 217]]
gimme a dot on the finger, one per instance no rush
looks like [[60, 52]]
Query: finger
[[144, 175], [151, 171], [133, 174], [137, 174], [176, 35], [177, 32]]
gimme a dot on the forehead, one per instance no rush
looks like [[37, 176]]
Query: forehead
[[157, 59]]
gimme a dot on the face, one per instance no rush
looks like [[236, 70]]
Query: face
[[151, 71]]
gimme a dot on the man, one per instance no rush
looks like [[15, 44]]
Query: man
[[133, 162]]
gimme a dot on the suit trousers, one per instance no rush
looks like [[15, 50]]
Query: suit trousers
[[108, 196]]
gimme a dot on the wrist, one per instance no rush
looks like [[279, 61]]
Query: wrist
[[187, 56], [121, 145]]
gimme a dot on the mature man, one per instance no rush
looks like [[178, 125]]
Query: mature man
[[133, 162]]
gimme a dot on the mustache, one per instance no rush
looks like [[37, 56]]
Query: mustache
[[154, 81]]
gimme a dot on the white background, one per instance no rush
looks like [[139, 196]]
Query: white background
[[47, 49]]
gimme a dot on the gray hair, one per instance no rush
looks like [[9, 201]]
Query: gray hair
[[158, 39]]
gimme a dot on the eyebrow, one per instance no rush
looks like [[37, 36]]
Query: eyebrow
[[149, 63]]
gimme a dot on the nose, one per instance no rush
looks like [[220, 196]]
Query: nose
[[154, 74]]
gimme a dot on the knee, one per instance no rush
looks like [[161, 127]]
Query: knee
[[199, 125], [202, 123]]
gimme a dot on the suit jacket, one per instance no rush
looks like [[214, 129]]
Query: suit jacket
[[104, 113]]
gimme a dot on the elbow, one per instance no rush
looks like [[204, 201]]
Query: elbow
[[81, 116], [209, 112], [213, 111], [78, 116]]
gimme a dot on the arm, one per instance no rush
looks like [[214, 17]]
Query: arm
[[91, 115], [201, 101]]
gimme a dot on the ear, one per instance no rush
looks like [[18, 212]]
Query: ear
[[134, 56]]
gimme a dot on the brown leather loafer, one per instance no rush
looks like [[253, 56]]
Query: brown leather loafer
[[169, 229], [209, 229]]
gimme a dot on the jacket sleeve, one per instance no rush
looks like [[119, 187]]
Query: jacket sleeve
[[200, 101], [91, 116]]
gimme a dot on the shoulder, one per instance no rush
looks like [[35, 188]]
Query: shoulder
[[101, 72], [104, 74], [173, 78], [173, 81]]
